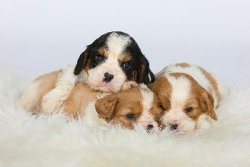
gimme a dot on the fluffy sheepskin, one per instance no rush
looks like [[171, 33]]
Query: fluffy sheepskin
[[26, 141]]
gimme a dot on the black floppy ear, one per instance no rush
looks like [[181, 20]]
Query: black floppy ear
[[81, 62], [146, 76]]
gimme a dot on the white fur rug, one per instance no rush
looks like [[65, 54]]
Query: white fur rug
[[27, 141]]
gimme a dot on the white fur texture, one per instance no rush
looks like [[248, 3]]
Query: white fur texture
[[116, 44], [26, 141]]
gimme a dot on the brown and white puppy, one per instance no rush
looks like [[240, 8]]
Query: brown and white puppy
[[127, 108], [108, 64], [189, 96], [135, 106]]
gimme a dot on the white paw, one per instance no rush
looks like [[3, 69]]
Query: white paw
[[129, 85], [68, 75], [52, 102], [101, 95]]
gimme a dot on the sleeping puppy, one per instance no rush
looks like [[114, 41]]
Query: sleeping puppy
[[135, 106], [112, 61], [128, 108], [189, 96]]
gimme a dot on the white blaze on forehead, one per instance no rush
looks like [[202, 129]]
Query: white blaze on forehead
[[116, 43], [181, 88], [147, 101], [147, 97]]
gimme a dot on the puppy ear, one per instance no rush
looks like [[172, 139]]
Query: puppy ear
[[105, 107], [145, 75], [82, 62], [207, 104]]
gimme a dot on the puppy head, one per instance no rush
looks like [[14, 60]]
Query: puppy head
[[135, 106], [111, 60], [185, 103]]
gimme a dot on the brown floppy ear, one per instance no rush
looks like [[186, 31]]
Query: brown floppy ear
[[154, 86], [162, 89], [105, 107], [207, 104]]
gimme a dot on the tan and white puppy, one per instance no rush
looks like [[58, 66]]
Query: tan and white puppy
[[111, 62], [127, 108], [135, 106], [189, 96]]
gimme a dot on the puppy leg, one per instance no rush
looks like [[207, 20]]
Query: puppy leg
[[54, 99], [31, 98]]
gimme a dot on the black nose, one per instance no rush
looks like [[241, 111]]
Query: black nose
[[150, 127], [108, 77], [173, 126]]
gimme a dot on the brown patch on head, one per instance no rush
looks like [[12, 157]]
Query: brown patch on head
[[163, 90], [199, 102], [213, 83], [103, 51], [125, 57], [183, 65], [122, 108]]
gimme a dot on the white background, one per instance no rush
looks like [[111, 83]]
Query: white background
[[40, 36]]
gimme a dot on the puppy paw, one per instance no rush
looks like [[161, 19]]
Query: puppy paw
[[101, 95], [52, 102], [68, 75], [55, 99], [129, 85]]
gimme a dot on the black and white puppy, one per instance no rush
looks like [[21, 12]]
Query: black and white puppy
[[106, 65], [111, 60]]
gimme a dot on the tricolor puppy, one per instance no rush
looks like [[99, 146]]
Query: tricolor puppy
[[189, 96], [135, 106], [111, 60], [108, 64]]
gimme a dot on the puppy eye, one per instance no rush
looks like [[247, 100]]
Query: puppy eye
[[188, 109], [126, 66], [130, 116], [99, 58]]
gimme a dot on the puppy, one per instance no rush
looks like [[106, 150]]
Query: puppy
[[111, 62], [189, 96], [128, 108], [135, 106]]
